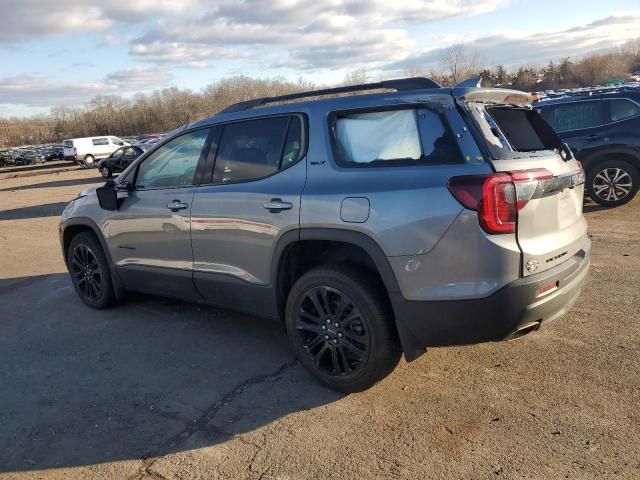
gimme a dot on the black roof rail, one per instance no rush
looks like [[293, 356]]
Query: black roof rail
[[400, 85]]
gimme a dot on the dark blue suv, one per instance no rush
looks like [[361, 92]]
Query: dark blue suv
[[603, 131]]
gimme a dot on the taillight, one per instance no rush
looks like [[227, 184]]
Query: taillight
[[497, 210], [498, 197], [75, 151]]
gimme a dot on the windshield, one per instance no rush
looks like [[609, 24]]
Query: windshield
[[514, 132]]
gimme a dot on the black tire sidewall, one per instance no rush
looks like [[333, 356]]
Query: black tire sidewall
[[366, 296], [622, 164], [108, 296]]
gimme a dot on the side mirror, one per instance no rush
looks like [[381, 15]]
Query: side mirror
[[108, 196]]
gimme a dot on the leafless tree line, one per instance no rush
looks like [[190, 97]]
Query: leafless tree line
[[166, 109]]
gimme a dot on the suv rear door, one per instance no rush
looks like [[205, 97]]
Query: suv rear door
[[550, 226], [249, 199]]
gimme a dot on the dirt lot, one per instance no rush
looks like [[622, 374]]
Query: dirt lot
[[161, 389]]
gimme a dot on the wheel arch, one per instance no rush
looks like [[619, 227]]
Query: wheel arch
[[343, 243], [628, 155], [72, 227]]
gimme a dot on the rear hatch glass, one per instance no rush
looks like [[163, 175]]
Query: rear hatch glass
[[550, 226], [68, 144]]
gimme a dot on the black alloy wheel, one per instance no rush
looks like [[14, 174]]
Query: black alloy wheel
[[341, 326], [86, 272], [333, 331], [89, 270]]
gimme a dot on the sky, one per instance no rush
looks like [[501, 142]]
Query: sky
[[68, 51]]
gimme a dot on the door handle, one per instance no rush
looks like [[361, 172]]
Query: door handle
[[592, 137], [176, 205], [277, 205]]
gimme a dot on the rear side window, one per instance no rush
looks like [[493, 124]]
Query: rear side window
[[621, 109], [393, 137], [255, 149], [576, 116], [100, 141]]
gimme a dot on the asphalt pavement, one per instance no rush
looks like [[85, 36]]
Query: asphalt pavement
[[158, 388]]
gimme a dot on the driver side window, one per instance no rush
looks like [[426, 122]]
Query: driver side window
[[174, 164]]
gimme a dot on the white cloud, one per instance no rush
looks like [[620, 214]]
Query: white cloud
[[511, 48], [36, 90], [28, 19], [353, 32], [305, 36], [195, 33]]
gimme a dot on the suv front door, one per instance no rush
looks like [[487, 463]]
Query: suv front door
[[149, 235], [251, 200]]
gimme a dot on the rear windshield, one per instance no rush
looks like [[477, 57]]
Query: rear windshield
[[514, 132], [68, 143]]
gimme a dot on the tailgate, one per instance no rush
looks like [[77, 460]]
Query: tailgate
[[549, 186], [551, 227]]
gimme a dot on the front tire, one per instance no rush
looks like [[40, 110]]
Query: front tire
[[105, 172], [341, 327], [613, 183], [89, 270]]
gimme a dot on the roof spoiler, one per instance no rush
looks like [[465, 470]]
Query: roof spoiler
[[471, 90], [400, 85], [473, 82]]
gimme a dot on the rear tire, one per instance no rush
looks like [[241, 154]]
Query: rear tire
[[341, 327], [90, 272], [613, 183], [89, 161]]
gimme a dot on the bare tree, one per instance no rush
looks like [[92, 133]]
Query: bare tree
[[164, 110], [459, 62]]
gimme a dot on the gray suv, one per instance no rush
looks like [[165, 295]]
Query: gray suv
[[371, 225]]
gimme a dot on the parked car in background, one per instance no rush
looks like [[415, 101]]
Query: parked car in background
[[53, 153], [370, 225], [119, 160], [6, 158], [30, 157], [603, 130], [86, 151], [149, 143]]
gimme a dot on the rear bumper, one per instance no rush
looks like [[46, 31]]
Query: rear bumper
[[499, 316]]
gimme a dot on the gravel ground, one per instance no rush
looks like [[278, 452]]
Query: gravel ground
[[157, 388]]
